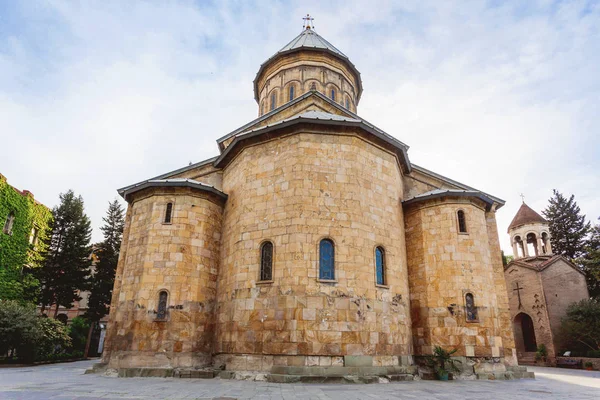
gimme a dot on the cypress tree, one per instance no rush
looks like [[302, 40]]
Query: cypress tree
[[66, 269], [568, 228], [107, 253], [590, 262]]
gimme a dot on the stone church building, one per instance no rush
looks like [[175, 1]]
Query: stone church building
[[310, 240], [540, 286]]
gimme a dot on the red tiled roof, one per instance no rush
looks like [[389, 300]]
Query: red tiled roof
[[526, 215]]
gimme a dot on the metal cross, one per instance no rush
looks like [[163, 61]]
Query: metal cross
[[523, 197], [308, 21], [518, 290]]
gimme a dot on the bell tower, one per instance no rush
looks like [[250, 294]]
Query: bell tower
[[529, 234]]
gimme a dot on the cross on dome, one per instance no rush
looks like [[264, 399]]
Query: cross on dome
[[308, 22]]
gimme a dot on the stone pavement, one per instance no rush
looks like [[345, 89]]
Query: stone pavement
[[67, 381]]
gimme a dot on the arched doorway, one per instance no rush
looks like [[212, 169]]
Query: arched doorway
[[524, 333]]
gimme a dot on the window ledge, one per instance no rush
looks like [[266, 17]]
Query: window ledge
[[464, 233], [264, 282], [327, 280], [474, 321], [382, 286], [167, 223]]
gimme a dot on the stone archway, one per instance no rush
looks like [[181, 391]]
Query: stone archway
[[524, 333]]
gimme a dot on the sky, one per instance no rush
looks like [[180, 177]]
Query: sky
[[501, 96]]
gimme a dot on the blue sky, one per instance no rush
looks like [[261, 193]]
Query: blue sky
[[498, 95]]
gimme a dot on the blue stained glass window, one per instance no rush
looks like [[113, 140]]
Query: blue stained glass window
[[347, 104], [380, 265], [291, 93], [326, 260], [273, 101], [332, 94]]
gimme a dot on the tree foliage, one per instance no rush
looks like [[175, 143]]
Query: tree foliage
[[590, 262], [108, 255], [580, 329], [568, 228], [28, 336], [78, 333], [67, 267]]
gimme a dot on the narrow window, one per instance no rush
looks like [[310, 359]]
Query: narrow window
[[462, 223], [273, 101], [266, 262], [332, 94], [8, 224], [470, 306], [347, 103], [291, 92], [380, 265], [34, 236], [168, 213], [313, 86], [326, 260], [162, 305]]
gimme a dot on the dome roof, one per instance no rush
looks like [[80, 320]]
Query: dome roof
[[526, 215], [308, 39]]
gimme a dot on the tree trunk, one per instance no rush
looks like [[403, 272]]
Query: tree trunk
[[56, 311], [89, 339]]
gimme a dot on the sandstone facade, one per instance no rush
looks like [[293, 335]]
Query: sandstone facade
[[307, 171]]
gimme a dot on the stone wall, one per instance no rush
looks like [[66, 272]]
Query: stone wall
[[533, 303], [302, 69], [443, 266], [180, 258], [295, 191], [563, 286]]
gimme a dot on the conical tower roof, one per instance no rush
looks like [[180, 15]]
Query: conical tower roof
[[526, 215], [308, 38]]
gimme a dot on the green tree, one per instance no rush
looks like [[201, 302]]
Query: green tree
[[568, 228], [18, 328], [590, 262], [67, 267], [78, 332], [108, 255], [580, 329]]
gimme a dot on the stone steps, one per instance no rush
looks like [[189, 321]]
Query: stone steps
[[340, 371]]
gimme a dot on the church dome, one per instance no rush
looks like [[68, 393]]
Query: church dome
[[308, 62]]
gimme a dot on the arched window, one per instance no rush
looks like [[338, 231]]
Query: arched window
[[266, 261], [313, 86], [292, 92], [8, 224], [347, 103], [545, 240], [520, 247], [161, 312], [273, 101], [462, 222], [326, 260], [332, 94], [532, 244], [380, 265], [168, 213], [470, 307]]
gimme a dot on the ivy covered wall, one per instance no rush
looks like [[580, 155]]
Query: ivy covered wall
[[18, 256]]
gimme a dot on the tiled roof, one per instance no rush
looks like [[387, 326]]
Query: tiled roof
[[526, 215]]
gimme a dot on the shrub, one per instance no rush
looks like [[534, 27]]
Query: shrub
[[19, 329], [78, 331], [54, 338], [580, 329], [542, 353]]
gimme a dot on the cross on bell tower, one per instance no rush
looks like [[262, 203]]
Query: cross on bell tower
[[308, 22]]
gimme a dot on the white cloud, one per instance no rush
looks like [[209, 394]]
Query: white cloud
[[502, 98]]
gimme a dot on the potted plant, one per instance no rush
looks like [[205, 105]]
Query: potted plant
[[442, 362], [589, 366], [541, 354]]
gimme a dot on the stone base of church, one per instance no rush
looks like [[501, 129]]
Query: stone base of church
[[149, 359], [265, 363]]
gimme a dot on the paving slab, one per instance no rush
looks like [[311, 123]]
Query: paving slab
[[68, 381]]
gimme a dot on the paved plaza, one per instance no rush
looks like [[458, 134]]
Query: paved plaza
[[67, 381]]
